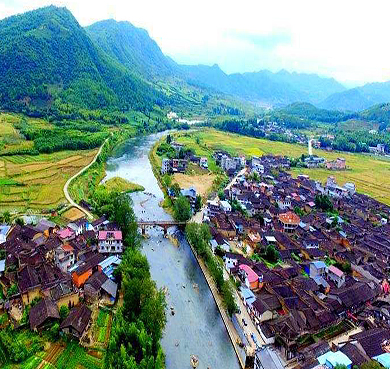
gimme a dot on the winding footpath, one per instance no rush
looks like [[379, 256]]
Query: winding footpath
[[66, 192]]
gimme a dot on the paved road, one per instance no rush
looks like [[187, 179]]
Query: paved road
[[66, 192]]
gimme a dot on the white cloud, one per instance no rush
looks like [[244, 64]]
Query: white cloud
[[345, 39]]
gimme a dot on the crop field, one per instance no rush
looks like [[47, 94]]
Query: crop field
[[369, 173], [33, 181], [73, 214], [10, 139], [102, 322], [75, 356], [36, 182], [203, 183]]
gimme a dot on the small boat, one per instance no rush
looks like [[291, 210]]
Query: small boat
[[194, 361]]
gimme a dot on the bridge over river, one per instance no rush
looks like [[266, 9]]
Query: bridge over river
[[164, 224]]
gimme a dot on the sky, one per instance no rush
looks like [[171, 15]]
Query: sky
[[343, 39]]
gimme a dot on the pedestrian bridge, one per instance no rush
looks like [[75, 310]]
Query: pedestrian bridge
[[164, 224]]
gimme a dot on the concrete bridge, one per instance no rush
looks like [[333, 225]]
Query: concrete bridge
[[164, 224]]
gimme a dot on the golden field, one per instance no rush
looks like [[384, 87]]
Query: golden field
[[370, 174]]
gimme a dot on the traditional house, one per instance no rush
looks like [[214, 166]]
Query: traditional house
[[64, 256], [77, 322], [317, 268], [79, 226], [85, 269], [289, 221], [100, 286], [249, 277], [46, 227], [44, 312]]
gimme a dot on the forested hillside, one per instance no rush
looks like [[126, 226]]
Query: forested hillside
[[48, 61], [132, 47]]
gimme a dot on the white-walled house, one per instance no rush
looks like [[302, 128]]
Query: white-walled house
[[110, 242], [336, 275]]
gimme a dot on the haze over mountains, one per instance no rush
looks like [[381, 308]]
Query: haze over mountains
[[46, 57]]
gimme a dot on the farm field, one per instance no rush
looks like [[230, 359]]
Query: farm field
[[75, 356], [33, 181], [10, 139], [202, 183], [73, 214], [369, 173], [36, 182], [102, 326]]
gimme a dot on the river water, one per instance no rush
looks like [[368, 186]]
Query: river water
[[196, 326]]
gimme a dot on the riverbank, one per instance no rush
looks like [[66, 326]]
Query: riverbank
[[233, 335], [196, 326]]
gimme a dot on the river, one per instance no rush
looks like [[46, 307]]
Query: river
[[196, 327]]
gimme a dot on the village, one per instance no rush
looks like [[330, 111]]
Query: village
[[62, 277], [310, 261]]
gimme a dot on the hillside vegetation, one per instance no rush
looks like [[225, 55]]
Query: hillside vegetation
[[47, 60]]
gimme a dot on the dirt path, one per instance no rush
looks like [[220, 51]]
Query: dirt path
[[66, 192]]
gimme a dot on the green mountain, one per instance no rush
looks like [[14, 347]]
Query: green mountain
[[47, 59], [379, 113], [132, 47], [311, 112], [359, 98]]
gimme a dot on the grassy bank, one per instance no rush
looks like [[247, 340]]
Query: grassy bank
[[155, 162], [118, 184]]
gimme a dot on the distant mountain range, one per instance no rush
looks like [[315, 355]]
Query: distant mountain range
[[359, 98], [47, 58], [264, 87]]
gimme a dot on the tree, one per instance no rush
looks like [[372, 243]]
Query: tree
[[12, 290], [123, 215], [221, 195], [372, 364], [198, 203], [299, 211], [19, 221], [176, 189], [7, 217], [64, 312], [182, 209], [323, 202], [167, 180], [271, 254], [55, 331]]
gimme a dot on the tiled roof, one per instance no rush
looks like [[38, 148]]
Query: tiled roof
[[289, 218], [45, 309], [78, 319]]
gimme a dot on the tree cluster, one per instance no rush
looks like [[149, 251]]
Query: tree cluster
[[138, 325], [198, 235]]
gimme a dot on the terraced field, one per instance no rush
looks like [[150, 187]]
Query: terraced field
[[36, 182], [369, 173]]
